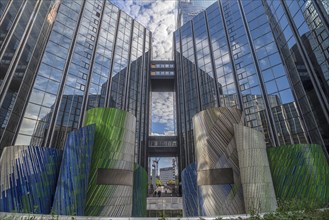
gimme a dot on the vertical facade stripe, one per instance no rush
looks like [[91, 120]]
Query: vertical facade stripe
[[18, 53], [12, 29], [324, 104], [109, 82], [85, 97], [230, 54], [267, 110], [212, 61], [52, 121]]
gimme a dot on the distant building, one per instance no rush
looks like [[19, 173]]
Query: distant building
[[166, 174]]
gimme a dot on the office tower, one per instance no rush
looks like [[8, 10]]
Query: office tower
[[167, 174], [238, 54], [187, 9], [270, 59], [93, 55], [303, 44], [25, 27]]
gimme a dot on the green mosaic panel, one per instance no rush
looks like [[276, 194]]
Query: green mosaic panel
[[140, 192], [300, 172], [113, 149]]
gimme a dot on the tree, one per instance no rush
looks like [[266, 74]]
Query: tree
[[171, 182], [158, 182]]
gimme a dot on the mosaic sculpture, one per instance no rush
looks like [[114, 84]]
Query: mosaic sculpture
[[72, 186], [140, 192], [300, 172], [257, 185], [218, 173], [110, 187], [190, 191], [28, 177]]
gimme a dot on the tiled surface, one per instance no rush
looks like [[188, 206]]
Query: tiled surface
[[190, 191], [215, 148], [257, 185], [28, 177], [113, 149], [300, 172], [72, 183]]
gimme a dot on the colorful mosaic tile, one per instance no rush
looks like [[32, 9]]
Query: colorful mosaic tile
[[28, 178], [140, 192], [300, 172], [113, 153], [190, 191], [72, 186]]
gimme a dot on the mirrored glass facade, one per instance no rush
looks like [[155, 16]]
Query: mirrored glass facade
[[301, 31], [89, 54], [187, 9], [24, 31], [235, 54]]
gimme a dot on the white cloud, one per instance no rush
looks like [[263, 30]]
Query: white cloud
[[166, 133], [163, 112], [158, 17]]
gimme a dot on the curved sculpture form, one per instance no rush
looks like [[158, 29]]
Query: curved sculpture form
[[28, 178], [300, 172], [217, 161], [72, 185], [190, 191], [140, 192], [110, 187], [256, 179]]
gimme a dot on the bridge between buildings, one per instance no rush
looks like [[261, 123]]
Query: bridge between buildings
[[162, 79]]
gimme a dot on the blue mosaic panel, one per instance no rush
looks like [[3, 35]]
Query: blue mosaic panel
[[28, 178], [72, 186], [190, 191]]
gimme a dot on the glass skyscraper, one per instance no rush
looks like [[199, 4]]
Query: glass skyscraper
[[267, 58], [25, 27], [187, 9], [66, 58], [263, 64]]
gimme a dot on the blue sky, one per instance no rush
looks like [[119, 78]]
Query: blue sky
[[158, 16]]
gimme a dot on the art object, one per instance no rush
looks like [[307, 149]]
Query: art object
[[218, 173], [72, 186], [300, 172], [256, 179], [190, 191], [28, 178], [140, 192], [110, 187]]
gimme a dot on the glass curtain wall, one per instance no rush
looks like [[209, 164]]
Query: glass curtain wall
[[96, 56], [230, 55], [25, 28]]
